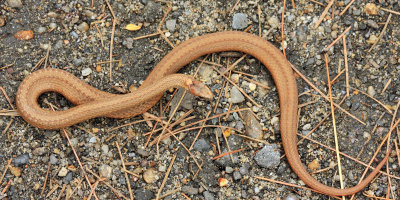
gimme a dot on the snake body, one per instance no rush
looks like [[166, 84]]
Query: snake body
[[93, 99]]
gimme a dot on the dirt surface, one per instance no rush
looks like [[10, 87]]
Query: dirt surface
[[76, 36]]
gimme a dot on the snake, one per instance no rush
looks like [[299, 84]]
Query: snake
[[91, 102]]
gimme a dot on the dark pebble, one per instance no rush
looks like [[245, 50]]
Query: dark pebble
[[144, 194], [226, 160], [362, 26], [21, 160], [67, 178], [190, 190], [143, 152], [202, 145], [268, 156], [355, 106], [372, 24], [152, 10], [244, 169], [237, 175], [208, 195]]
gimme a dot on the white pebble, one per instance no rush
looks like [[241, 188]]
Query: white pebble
[[63, 172], [252, 86], [86, 72], [371, 91], [274, 120]]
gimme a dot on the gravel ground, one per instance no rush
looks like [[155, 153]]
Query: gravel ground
[[75, 36]]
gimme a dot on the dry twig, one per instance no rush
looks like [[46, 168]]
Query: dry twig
[[288, 184], [382, 32], [165, 177], [334, 124], [324, 13], [124, 168]]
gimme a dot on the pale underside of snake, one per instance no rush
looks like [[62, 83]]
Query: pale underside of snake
[[93, 103]]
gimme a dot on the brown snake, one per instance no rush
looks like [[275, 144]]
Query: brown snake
[[93, 103]]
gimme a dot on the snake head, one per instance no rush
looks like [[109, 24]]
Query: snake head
[[198, 88]]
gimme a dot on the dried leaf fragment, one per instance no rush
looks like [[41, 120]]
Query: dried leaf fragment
[[24, 35], [133, 27], [314, 165], [227, 132], [2, 21], [371, 9], [372, 39], [222, 182]]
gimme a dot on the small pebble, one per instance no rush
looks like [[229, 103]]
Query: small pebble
[[274, 22], [104, 149], [14, 3], [237, 175], [99, 69], [44, 46], [306, 127], [236, 95], [52, 14], [21, 160], [252, 86], [257, 190], [63, 172], [53, 159], [59, 44], [371, 9], [228, 169], [152, 10], [74, 142], [78, 62], [372, 24], [162, 168], [372, 39], [366, 135], [291, 197], [67, 178], [86, 72], [83, 27], [371, 91], [143, 152], [208, 195], [190, 190], [313, 165], [205, 73], [244, 170], [226, 160], [41, 29], [253, 126], [16, 171], [88, 13], [128, 43], [171, 24], [40, 151], [235, 78], [268, 156], [24, 35], [239, 21], [105, 171], [2, 21], [144, 194], [274, 121], [74, 34], [52, 25], [202, 145], [150, 175]]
